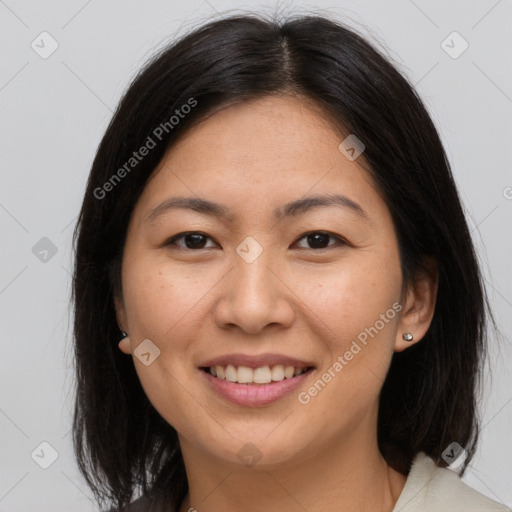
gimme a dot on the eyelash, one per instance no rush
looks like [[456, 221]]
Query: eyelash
[[341, 241]]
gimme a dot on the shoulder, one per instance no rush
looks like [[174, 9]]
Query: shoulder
[[429, 487]]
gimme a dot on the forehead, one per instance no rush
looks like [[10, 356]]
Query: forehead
[[264, 153], [286, 124]]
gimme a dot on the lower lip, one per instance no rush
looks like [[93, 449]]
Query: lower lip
[[253, 395]]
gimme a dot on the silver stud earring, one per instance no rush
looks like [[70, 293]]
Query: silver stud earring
[[408, 336]]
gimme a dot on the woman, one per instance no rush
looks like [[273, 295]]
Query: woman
[[272, 227]]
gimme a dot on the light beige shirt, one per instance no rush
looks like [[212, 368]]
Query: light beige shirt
[[429, 488]]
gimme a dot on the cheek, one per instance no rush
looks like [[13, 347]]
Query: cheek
[[350, 298], [164, 305], [356, 323], [163, 301], [354, 311]]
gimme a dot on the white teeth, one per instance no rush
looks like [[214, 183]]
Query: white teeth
[[231, 373], [278, 372], [288, 372], [261, 375], [245, 375]]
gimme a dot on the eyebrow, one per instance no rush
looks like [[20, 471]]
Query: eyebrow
[[291, 209]]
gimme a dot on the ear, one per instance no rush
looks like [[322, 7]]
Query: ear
[[124, 344], [419, 304]]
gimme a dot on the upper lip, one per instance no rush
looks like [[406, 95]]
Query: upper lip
[[256, 361]]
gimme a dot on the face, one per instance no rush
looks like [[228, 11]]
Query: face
[[255, 288]]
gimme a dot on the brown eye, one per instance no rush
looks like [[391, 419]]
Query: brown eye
[[320, 240], [192, 240]]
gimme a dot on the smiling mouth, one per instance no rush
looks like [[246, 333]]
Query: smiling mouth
[[254, 376]]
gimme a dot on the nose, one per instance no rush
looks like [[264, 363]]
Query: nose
[[254, 295]]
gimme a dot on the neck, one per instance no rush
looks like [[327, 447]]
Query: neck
[[349, 475]]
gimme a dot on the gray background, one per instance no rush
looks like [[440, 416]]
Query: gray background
[[53, 113]]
